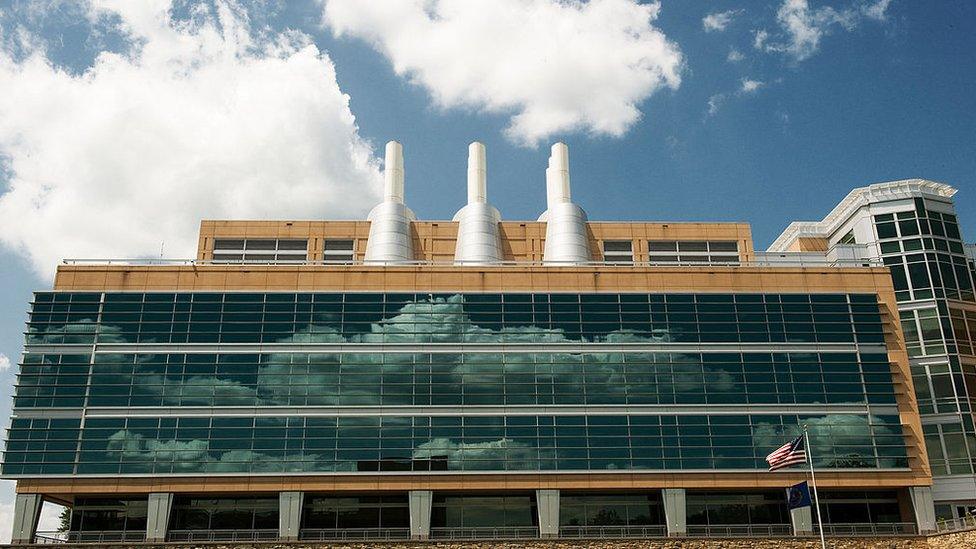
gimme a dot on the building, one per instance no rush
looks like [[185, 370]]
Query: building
[[911, 225], [474, 377]]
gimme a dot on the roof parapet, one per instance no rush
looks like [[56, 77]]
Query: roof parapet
[[861, 196]]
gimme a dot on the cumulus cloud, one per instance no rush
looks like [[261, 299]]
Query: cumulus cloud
[[4, 362], [205, 117], [718, 21], [803, 27], [734, 56], [552, 66], [749, 86]]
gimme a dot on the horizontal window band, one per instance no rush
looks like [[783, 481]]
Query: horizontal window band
[[453, 348], [472, 410], [856, 473]]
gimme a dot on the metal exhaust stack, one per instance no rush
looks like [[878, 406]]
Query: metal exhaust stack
[[479, 238], [566, 237], [390, 237]]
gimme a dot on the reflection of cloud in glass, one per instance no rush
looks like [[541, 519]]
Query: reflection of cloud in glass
[[490, 455], [443, 320], [841, 440], [333, 379], [81, 331], [194, 456]]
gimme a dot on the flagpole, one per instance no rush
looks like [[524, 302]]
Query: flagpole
[[813, 483]]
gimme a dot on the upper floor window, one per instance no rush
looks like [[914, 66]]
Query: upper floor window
[[693, 251], [338, 250], [618, 251], [250, 250]]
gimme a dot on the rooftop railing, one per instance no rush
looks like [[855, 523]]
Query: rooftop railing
[[767, 261]]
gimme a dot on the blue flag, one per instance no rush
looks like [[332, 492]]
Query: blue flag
[[799, 496]]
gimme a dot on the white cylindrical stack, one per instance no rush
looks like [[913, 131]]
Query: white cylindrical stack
[[479, 238], [390, 233], [567, 241]]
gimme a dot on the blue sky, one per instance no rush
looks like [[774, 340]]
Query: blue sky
[[122, 156]]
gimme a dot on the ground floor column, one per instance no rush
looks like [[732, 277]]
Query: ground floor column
[[675, 511], [290, 515], [547, 506], [924, 508], [420, 504], [27, 511], [157, 516]]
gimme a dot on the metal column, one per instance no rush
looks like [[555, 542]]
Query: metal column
[[924, 508], [675, 511], [27, 511], [290, 515], [420, 503], [547, 504], [157, 517]]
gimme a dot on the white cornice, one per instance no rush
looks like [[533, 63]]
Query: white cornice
[[862, 196]]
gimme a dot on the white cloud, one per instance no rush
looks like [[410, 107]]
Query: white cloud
[[205, 118], [746, 86], [718, 21], [554, 66], [877, 10], [4, 362], [715, 103], [734, 56], [803, 27], [749, 86]]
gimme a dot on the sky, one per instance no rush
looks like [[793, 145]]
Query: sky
[[122, 124]]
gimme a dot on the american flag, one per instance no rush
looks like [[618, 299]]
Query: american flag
[[788, 454]]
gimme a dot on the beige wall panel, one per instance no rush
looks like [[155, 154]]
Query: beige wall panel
[[491, 482]]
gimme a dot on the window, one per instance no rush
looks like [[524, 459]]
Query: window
[[618, 251], [365, 511], [693, 251], [338, 250], [610, 510], [848, 238], [251, 250]]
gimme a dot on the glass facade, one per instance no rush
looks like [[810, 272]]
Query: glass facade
[[583, 509], [317, 354], [109, 514], [355, 511], [724, 508], [209, 513], [423, 443], [161, 318], [448, 378], [933, 280], [483, 511]]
